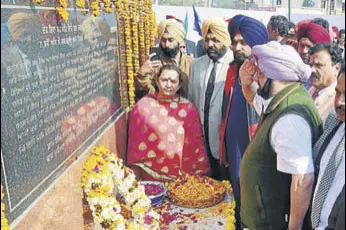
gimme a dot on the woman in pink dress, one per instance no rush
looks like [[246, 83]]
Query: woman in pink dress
[[165, 134]]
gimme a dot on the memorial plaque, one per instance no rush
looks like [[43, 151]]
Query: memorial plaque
[[59, 91]]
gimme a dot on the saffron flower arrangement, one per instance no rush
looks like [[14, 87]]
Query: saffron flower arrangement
[[4, 221], [112, 191]]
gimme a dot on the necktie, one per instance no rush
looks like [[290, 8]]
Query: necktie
[[208, 95], [325, 184]]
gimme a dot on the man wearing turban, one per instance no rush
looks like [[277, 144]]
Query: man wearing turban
[[24, 30], [309, 34], [24, 33], [277, 170], [239, 118], [207, 81], [171, 34], [335, 34]]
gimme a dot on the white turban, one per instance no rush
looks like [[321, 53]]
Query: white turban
[[281, 62]]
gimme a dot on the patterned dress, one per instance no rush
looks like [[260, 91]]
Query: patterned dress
[[165, 139]]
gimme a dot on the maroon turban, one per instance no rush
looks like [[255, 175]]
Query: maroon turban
[[316, 33], [335, 31]]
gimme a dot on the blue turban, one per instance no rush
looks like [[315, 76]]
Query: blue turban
[[252, 31]]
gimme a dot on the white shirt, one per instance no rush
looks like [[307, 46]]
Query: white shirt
[[324, 90], [325, 100], [291, 139], [338, 181], [219, 64]]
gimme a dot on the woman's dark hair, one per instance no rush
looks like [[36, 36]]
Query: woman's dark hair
[[181, 91], [334, 51], [342, 31]]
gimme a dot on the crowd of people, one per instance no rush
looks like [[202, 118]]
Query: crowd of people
[[263, 107]]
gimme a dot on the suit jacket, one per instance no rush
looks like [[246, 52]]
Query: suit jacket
[[332, 124], [336, 220], [197, 89]]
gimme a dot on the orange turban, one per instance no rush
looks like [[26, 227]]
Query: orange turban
[[174, 28], [219, 28]]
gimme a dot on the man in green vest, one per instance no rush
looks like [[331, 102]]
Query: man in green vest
[[277, 170]]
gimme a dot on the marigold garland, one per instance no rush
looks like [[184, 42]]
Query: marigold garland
[[107, 6], [95, 7], [123, 79], [142, 49], [152, 23], [80, 4], [135, 44], [148, 26], [137, 34], [128, 42], [4, 221], [104, 175], [38, 1], [230, 221], [61, 9]]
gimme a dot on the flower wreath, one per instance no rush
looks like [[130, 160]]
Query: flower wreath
[[230, 221], [115, 198], [4, 221]]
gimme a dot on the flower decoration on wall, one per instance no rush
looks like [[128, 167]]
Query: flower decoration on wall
[[129, 51], [80, 4], [61, 9], [4, 221], [137, 30], [38, 1], [107, 6], [123, 80], [148, 26], [141, 29]]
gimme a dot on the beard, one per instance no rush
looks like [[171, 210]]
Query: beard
[[240, 57], [171, 52], [306, 58], [215, 54], [264, 92]]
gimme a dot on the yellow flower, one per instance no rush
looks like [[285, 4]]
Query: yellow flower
[[102, 201], [62, 12], [4, 221], [80, 3]]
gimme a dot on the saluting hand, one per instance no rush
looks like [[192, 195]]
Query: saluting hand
[[247, 72]]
